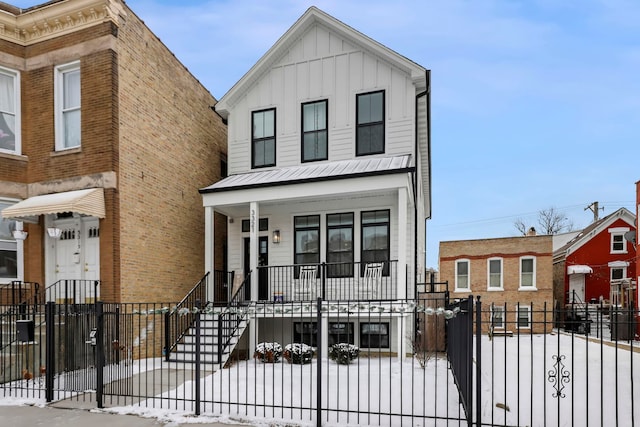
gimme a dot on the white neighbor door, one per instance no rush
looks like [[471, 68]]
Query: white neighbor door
[[576, 283], [77, 254]]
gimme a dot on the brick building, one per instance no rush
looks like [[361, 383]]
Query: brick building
[[105, 140], [512, 274]]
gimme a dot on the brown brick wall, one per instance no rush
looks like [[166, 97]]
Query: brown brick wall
[[510, 250]]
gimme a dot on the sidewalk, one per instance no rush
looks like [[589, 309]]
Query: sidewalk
[[50, 416]]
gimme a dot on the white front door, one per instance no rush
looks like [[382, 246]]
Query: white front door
[[576, 283], [77, 257]]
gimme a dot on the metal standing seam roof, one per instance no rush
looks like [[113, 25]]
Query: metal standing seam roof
[[313, 172]]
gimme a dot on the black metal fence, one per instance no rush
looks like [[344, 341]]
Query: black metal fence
[[504, 365]]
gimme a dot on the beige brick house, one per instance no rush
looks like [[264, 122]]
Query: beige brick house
[[105, 140], [512, 275]]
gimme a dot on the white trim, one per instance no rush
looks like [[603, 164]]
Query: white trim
[[495, 288], [16, 112], [517, 311], [533, 286], [495, 309], [59, 73], [19, 250], [455, 267]]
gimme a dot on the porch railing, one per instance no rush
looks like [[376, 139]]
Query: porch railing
[[333, 281], [67, 292], [18, 295]]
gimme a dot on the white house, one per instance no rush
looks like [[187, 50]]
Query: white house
[[329, 168]]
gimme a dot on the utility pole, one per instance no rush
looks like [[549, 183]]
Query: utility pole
[[593, 207]]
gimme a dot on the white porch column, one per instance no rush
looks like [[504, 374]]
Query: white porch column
[[209, 247], [402, 243], [254, 215]]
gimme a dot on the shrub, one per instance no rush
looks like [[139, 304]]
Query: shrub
[[343, 353], [298, 354], [268, 352]]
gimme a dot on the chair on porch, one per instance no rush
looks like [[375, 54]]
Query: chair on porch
[[305, 288], [372, 279]]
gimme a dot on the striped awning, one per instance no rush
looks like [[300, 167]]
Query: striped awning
[[86, 202]]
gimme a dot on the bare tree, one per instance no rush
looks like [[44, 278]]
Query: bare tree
[[551, 221]]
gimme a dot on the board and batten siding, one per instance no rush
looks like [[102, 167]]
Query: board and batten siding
[[321, 65]]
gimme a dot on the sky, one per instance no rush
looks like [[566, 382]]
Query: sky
[[535, 103]]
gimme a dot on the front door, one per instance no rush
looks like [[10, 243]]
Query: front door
[[77, 257], [576, 288], [263, 273]]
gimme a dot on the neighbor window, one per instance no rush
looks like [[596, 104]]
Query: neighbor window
[[618, 242], [523, 320], [462, 275], [374, 335], [528, 272], [9, 259], [370, 123], [497, 316], [375, 238], [307, 239], [263, 138], [9, 111], [67, 108], [314, 131], [494, 267], [618, 273], [340, 245]]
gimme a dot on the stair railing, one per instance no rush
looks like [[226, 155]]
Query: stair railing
[[230, 319], [178, 321]]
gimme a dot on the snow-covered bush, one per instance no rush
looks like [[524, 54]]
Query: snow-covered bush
[[343, 353], [298, 354], [268, 352]]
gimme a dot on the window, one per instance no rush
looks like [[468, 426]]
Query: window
[[9, 111], [497, 316], [307, 239], [263, 138], [340, 245], [9, 255], [305, 332], [528, 272], [341, 332], [618, 273], [618, 242], [375, 238], [462, 275], [314, 131], [523, 320], [67, 108], [263, 225], [370, 123], [374, 335], [495, 273]]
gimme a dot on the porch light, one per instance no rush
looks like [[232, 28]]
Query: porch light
[[54, 232], [20, 234], [276, 236]]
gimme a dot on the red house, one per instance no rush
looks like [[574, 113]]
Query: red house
[[599, 264]]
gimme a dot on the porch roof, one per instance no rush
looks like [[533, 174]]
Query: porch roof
[[313, 172], [88, 202]]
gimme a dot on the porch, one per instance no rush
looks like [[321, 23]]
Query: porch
[[348, 281]]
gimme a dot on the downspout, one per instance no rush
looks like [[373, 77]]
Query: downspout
[[426, 93]]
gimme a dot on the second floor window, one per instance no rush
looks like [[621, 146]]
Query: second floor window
[[9, 111], [340, 245], [495, 273], [618, 244], [314, 131], [370, 123], [462, 275], [527, 272], [263, 138], [67, 106]]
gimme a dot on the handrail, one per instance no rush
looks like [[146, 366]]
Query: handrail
[[229, 321], [178, 321], [73, 292]]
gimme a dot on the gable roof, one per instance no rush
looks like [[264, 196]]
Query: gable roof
[[314, 16], [592, 230]]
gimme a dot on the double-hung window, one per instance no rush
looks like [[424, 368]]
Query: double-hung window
[[462, 275], [9, 111], [527, 273], [67, 106], [523, 314], [340, 245], [494, 279], [375, 238], [618, 242], [497, 316], [314, 131], [370, 123], [307, 239], [263, 138], [10, 258]]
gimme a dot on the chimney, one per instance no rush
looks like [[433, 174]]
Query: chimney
[[531, 232]]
